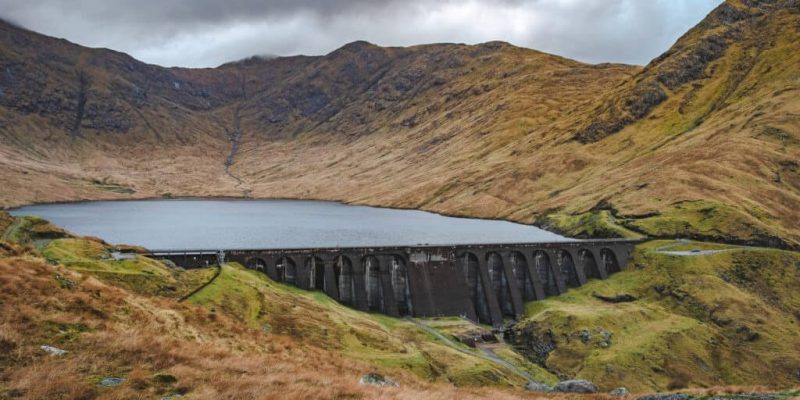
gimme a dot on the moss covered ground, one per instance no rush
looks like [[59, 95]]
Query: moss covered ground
[[698, 321]]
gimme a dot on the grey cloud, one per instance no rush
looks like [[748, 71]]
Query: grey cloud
[[211, 32]]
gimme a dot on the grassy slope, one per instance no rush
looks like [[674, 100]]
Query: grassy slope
[[313, 317], [714, 320], [730, 317], [253, 308]]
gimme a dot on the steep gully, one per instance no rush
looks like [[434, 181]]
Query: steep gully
[[235, 136]]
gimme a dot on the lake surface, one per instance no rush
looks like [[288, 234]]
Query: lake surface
[[184, 224]]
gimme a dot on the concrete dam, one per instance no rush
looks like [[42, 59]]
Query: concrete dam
[[484, 283]]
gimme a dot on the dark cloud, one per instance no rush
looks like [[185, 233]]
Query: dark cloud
[[210, 32]]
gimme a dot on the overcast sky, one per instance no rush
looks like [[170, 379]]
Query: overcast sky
[[202, 33]]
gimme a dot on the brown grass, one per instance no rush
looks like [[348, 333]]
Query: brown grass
[[494, 140], [133, 337]]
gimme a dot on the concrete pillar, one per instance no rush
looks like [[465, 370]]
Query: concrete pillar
[[472, 311], [420, 287], [623, 253], [389, 301], [533, 274], [561, 280], [331, 284], [271, 270], [579, 271], [359, 287], [301, 271], [491, 297], [511, 280], [412, 289], [601, 265]]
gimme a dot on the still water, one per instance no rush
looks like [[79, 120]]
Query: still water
[[239, 224]]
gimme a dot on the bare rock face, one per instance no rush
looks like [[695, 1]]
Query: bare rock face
[[531, 341], [689, 61], [575, 386], [538, 387]]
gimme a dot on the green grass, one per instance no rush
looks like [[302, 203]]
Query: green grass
[[688, 219], [727, 318], [140, 274], [32, 230], [704, 219], [595, 224], [386, 342]]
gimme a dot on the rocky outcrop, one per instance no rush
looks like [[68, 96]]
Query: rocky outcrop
[[687, 62], [620, 392], [575, 386], [533, 342], [375, 379], [538, 387]]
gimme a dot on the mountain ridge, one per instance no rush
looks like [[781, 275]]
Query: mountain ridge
[[488, 130]]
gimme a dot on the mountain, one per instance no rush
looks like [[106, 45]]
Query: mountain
[[701, 142]]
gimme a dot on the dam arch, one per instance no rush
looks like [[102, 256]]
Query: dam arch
[[566, 264], [589, 265], [486, 283], [522, 275], [316, 268], [500, 282], [256, 263], [287, 270], [372, 283], [475, 287], [545, 267], [609, 260], [398, 274]]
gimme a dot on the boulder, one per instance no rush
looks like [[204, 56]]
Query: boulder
[[538, 387], [53, 351], [375, 379], [575, 386], [110, 382], [620, 392]]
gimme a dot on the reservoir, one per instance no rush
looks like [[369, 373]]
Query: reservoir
[[185, 224]]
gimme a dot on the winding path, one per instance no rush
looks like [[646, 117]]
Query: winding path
[[690, 253]]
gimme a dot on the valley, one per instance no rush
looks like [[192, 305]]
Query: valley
[[695, 156], [490, 130]]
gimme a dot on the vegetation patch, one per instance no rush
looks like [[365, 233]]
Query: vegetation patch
[[106, 184], [709, 221], [700, 320], [591, 224], [31, 230], [314, 317]]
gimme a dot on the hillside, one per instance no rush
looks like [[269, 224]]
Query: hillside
[[698, 315], [241, 336], [702, 142], [724, 321]]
